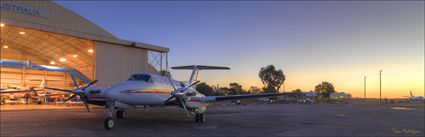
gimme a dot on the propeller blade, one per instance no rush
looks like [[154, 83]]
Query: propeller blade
[[169, 99], [184, 106], [85, 102], [169, 79], [58, 89], [190, 86], [70, 98], [89, 84]]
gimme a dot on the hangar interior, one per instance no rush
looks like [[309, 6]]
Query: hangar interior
[[45, 33], [52, 49], [44, 48]]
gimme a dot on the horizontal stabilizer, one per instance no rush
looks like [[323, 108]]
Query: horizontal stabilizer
[[200, 67]]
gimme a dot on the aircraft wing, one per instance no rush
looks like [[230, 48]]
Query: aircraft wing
[[233, 97]]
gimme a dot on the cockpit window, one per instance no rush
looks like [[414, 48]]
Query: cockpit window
[[140, 77]]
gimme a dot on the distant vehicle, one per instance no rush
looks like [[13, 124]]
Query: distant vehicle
[[414, 98], [305, 100], [339, 95], [264, 99]]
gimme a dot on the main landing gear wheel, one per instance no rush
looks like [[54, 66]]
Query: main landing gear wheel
[[109, 123], [121, 114], [200, 118]]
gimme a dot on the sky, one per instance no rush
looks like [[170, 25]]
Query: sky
[[337, 42]]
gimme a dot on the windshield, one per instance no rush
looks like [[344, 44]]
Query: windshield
[[140, 77]]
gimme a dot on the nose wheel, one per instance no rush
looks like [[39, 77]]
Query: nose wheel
[[109, 123], [200, 117]]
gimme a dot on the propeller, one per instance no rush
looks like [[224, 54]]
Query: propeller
[[70, 98], [58, 89], [77, 92], [179, 91], [184, 106], [178, 94]]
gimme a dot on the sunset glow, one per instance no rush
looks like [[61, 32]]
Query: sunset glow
[[338, 42]]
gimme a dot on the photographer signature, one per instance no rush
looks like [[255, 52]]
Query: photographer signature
[[405, 131]]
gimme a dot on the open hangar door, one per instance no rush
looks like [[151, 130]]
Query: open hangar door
[[44, 48]]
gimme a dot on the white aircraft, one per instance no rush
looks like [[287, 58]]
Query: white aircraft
[[414, 98], [22, 89], [149, 89]]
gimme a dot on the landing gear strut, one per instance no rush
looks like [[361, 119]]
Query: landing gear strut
[[121, 114], [200, 117], [109, 122]]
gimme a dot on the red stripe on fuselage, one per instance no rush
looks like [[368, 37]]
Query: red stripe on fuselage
[[194, 100], [159, 91]]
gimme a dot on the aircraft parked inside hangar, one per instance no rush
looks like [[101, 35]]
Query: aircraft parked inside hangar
[[149, 89], [17, 89], [25, 95]]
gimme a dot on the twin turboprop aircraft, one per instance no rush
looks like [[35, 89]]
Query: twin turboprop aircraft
[[414, 98], [149, 89]]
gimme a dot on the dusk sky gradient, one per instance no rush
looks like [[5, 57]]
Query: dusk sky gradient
[[338, 42]]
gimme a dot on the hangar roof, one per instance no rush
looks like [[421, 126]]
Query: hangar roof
[[49, 16]]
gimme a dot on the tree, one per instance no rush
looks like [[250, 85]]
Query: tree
[[236, 88], [297, 90], [205, 89], [224, 90], [271, 78], [324, 90], [254, 89]]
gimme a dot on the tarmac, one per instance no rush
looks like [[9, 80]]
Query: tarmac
[[243, 120]]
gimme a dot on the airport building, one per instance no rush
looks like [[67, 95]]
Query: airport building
[[45, 33]]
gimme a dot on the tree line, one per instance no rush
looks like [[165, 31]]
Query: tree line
[[272, 79]]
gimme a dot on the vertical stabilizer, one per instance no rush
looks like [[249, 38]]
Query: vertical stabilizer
[[196, 68]]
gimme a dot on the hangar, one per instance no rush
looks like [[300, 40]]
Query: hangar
[[45, 33]]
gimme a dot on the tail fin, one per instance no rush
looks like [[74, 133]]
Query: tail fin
[[411, 93], [42, 84], [195, 70]]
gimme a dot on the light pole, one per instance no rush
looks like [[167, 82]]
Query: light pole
[[380, 86], [365, 88]]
